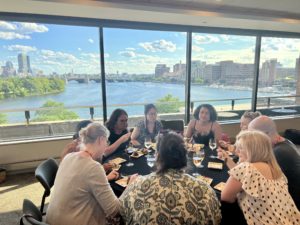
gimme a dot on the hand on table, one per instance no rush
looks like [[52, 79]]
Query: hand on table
[[113, 175], [108, 166]]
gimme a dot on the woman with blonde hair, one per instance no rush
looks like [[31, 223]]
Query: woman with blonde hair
[[258, 183], [82, 194]]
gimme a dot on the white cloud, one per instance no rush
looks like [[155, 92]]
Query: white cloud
[[158, 46], [130, 49], [21, 48], [196, 48], [59, 56], [79, 49], [128, 54], [205, 39], [7, 26], [12, 35], [32, 28], [91, 40], [106, 55]]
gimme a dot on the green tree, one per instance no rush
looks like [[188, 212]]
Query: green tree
[[56, 111], [169, 104], [3, 118]]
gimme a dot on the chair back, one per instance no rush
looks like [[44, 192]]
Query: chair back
[[31, 214], [45, 173], [174, 125]]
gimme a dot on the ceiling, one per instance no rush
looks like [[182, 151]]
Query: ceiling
[[275, 15]]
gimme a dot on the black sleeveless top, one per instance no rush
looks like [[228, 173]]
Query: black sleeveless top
[[203, 139]]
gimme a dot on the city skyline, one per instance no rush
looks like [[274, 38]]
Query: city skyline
[[62, 49]]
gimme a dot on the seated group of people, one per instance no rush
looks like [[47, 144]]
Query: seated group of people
[[265, 181]]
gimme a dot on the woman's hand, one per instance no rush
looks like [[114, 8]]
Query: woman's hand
[[132, 178], [108, 166], [125, 137], [113, 175]]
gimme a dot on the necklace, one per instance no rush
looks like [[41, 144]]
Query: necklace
[[90, 154]]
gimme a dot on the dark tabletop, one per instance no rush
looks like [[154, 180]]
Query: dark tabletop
[[231, 213]]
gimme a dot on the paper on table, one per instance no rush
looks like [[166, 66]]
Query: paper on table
[[117, 160], [123, 181], [220, 186], [215, 165], [206, 180]]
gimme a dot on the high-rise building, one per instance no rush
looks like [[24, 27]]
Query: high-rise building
[[268, 72], [179, 70], [24, 64], [8, 69], [161, 69], [197, 69], [212, 72]]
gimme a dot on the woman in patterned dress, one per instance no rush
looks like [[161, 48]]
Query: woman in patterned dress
[[169, 195], [258, 183]]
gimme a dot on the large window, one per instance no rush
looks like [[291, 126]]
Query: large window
[[279, 76], [145, 67], [222, 71], [48, 73]]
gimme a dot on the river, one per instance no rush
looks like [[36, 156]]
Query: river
[[77, 94]]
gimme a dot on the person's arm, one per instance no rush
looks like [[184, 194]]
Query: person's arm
[[135, 134], [101, 190], [190, 129], [217, 131], [110, 149], [231, 189]]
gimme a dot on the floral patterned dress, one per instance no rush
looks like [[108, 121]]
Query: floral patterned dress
[[171, 198]]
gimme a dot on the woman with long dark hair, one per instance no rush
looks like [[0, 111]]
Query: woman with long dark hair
[[119, 135], [147, 128]]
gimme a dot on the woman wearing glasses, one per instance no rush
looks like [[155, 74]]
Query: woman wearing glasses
[[149, 127]]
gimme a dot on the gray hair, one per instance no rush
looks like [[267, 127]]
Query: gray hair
[[251, 115], [92, 132]]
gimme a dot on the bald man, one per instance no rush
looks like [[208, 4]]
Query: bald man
[[286, 153]]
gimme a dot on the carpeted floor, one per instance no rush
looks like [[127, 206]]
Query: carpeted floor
[[12, 193]]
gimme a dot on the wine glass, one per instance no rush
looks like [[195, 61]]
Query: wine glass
[[148, 142], [129, 151], [212, 145], [150, 161]]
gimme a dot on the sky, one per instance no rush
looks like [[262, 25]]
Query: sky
[[65, 48]]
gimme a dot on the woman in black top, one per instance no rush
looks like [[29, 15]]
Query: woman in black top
[[119, 136], [205, 125]]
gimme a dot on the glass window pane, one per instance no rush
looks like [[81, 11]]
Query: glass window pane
[[222, 73], [51, 71], [145, 67], [279, 77]]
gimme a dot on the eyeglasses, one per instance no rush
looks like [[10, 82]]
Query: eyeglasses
[[151, 114]]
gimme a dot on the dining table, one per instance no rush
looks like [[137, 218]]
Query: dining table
[[231, 212]]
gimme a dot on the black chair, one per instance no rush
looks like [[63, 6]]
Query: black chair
[[174, 125], [31, 214], [45, 173]]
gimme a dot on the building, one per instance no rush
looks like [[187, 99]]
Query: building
[[161, 69], [197, 69], [268, 73], [212, 72], [179, 70], [24, 64], [8, 70]]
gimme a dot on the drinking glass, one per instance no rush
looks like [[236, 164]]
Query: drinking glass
[[148, 142], [212, 145], [198, 158], [150, 161], [129, 151]]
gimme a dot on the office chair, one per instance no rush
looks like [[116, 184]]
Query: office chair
[[31, 214], [45, 173]]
